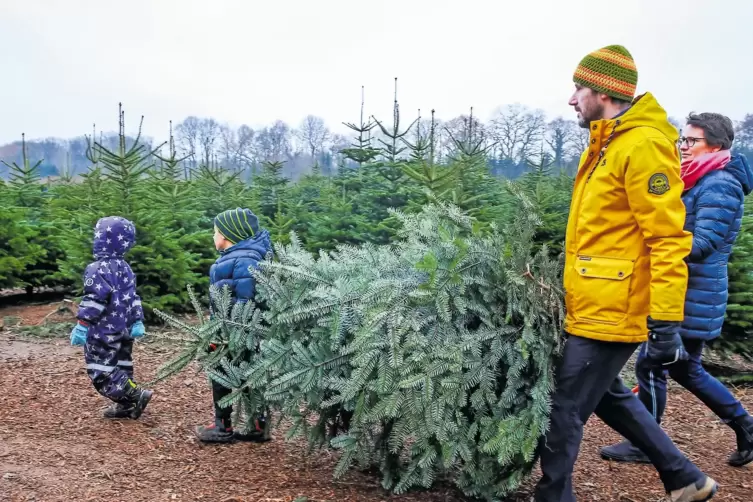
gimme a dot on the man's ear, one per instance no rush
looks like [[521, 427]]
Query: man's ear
[[604, 98]]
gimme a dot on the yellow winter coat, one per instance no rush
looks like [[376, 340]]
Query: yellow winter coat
[[625, 244]]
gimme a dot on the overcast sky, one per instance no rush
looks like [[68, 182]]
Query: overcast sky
[[67, 63]]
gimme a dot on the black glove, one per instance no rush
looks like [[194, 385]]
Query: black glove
[[664, 343]]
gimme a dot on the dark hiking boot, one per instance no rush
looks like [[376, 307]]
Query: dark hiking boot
[[139, 398], [251, 436], [218, 432], [256, 435], [743, 428], [702, 490], [118, 410], [624, 452]]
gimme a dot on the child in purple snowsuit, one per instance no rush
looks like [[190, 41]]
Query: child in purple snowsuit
[[110, 316]]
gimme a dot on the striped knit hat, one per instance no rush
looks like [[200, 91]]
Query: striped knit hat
[[237, 224], [610, 70]]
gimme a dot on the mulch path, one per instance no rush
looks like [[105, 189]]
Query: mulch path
[[55, 446]]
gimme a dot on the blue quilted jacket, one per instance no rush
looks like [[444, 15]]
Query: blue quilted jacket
[[714, 213], [232, 267]]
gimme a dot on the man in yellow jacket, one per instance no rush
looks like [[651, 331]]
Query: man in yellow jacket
[[625, 276]]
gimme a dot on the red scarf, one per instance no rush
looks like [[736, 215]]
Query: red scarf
[[693, 170]]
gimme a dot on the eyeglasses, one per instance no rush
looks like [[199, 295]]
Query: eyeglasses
[[689, 140]]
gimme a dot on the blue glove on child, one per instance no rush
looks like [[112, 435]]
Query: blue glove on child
[[137, 330], [78, 335]]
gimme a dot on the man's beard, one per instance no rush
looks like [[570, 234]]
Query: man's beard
[[588, 116]]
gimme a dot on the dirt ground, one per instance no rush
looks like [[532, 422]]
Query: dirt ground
[[55, 446]]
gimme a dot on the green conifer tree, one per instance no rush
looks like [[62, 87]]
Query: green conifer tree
[[550, 197], [121, 184], [270, 188], [440, 181], [281, 225], [24, 183], [475, 190], [19, 249], [75, 209], [737, 336], [361, 150], [28, 197], [218, 190], [384, 185], [175, 202], [338, 224], [437, 180]]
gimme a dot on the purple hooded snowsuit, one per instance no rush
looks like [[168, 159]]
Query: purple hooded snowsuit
[[110, 306]]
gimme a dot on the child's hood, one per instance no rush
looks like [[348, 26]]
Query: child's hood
[[113, 236], [261, 243]]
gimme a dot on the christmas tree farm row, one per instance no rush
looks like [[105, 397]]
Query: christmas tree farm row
[[46, 226]]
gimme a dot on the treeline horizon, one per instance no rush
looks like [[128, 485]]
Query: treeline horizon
[[516, 133]]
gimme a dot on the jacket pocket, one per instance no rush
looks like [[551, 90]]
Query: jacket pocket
[[602, 290]]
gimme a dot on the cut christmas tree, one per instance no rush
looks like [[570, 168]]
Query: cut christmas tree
[[429, 357]]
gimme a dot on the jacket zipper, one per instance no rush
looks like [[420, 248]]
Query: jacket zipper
[[598, 160], [603, 150]]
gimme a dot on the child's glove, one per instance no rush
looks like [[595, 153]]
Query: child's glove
[[137, 330], [78, 335]]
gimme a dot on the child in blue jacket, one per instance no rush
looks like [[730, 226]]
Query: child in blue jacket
[[110, 316], [242, 245]]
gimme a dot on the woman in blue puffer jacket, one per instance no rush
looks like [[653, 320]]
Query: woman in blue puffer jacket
[[716, 183]]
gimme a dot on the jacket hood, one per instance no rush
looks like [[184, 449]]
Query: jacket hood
[[260, 243], [645, 111], [113, 237], [739, 168]]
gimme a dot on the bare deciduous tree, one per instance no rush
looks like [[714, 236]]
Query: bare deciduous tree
[[517, 131], [314, 134], [744, 132], [563, 137], [228, 149], [209, 132], [459, 128], [273, 143], [580, 140], [187, 133], [245, 146], [337, 143]]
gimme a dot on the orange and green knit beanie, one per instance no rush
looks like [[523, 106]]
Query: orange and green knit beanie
[[610, 70]]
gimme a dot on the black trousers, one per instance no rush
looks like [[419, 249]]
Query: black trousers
[[587, 381], [218, 392]]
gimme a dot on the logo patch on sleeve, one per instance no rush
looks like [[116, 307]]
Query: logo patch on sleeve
[[658, 184]]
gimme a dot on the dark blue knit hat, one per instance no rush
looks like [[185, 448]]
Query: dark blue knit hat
[[237, 224]]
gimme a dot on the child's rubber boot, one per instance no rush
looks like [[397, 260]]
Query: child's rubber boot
[[219, 432], [118, 410], [138, 397]]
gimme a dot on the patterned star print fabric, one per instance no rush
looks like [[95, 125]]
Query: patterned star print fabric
[[110, 306]]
